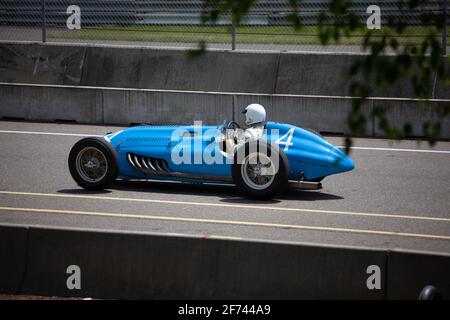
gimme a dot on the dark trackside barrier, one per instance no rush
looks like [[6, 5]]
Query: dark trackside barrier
[[13, 257], [151, 266]]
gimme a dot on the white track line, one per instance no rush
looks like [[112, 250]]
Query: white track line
[[396, 149], [227, 222], [224, 205], [94, 135], [51, 133]]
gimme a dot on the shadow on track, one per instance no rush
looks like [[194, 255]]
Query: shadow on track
[[298, 195], [225, 193], [169, 187]]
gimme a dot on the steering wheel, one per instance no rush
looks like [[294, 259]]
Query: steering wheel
[[233, 125]]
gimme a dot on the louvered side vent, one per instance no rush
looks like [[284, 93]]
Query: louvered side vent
[[147, 164]]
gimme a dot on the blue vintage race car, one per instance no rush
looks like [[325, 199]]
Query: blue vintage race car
[[284, 156]]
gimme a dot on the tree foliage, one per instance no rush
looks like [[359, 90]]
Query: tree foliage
[[421, 64]]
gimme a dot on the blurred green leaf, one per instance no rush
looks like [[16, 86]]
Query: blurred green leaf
[[193, 53], [423, 64]]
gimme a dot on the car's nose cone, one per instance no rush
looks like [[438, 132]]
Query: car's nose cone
[[345, 164], [342, 162]]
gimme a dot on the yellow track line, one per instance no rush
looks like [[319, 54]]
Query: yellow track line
[[229, 222], [222, 205]]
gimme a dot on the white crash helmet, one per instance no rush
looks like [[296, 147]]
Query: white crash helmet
[[254, 113]]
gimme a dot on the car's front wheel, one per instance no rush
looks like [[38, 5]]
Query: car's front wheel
[[260, 170], [93, 163]]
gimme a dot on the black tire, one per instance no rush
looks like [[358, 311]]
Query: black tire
[[110, 157], [430, 293], [280, 181]]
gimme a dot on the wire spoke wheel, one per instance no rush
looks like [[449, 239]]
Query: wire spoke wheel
[[91, 164], [254, 170], [260, 170]]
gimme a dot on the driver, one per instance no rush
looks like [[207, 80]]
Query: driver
[[255, 118]]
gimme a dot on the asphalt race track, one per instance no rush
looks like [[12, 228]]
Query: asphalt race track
[[397, 197]]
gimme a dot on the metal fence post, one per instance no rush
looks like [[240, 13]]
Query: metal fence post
[[233, 28], [233, 35], [44, 22], [444, 31]]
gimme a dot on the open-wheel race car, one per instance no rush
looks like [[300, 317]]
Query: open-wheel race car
[[285, 156]]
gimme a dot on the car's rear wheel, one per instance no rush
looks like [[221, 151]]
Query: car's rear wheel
[[93, 163], [260, 171]]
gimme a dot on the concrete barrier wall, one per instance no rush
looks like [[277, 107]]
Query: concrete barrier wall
[[13, 257], [173, 70], [51, 103], [37, 63], [151, 266], [218, 71], [125, 106], [118, 265], [328, 74], [159, 107], [399, 112], [409, 272]]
